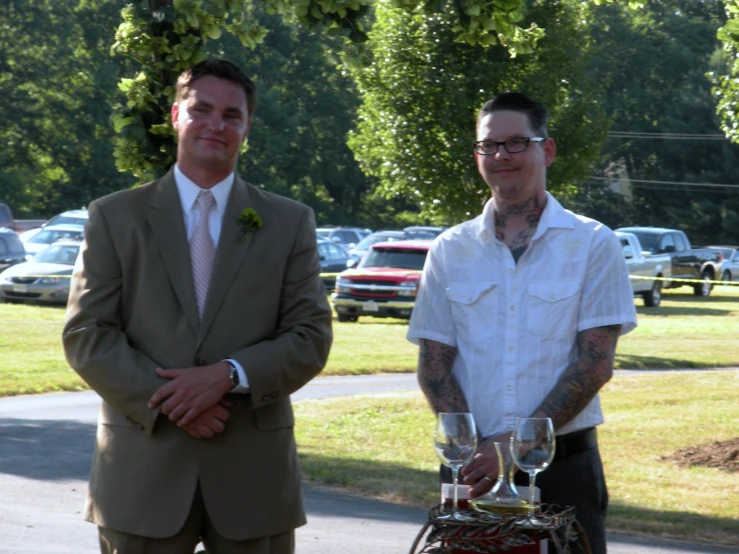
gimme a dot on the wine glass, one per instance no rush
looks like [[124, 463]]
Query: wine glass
[[455, 442], [532, 448]]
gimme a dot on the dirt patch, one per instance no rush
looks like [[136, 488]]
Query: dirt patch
[[721, 455]]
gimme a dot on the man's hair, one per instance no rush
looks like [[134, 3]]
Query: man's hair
[[222, 69], [534, 111]]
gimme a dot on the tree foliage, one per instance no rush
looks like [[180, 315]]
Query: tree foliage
[[726, 82], [57, 83], [653, 65], [420, 100], [166, 36]]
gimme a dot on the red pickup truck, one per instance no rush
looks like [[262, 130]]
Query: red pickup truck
[[385, 282]]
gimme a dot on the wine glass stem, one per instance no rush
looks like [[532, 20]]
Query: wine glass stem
[[532, 495], [455, 478]]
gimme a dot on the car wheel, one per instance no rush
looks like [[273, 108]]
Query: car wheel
[[347, 318], [653, 297], [704, 289]]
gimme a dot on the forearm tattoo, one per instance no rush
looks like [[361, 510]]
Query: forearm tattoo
[[442, 391], [582, 379]]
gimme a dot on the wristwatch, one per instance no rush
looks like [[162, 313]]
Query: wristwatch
[[233, 375]]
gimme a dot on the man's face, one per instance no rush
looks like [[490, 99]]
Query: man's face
[[513, 178], [211, 124]]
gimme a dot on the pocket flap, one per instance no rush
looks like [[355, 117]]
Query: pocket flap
[[553, 290], [468, 292]]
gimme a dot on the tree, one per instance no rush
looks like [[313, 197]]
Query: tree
[[726, 82], [167, 36], [421, 95], [652, 63], [57, 85]]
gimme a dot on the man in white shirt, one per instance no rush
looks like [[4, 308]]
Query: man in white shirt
[[196, 308], [519, 311]]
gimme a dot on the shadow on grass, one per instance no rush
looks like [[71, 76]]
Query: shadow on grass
[[47, 450], [678, 310], [686, 526], [627, 361]]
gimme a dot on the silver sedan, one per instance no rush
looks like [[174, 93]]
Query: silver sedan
[[44, 279]]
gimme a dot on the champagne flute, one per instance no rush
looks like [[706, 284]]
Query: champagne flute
[[455, 442], [532, 448]]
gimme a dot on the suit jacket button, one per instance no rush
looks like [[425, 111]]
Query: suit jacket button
[[200, 361], [265, 398]]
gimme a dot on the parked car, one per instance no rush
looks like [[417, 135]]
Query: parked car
[[18, 225], [11, 249], [74, 217], [436, 231], [686, 262], [643, 264], [43, 279], [347, 237], [385, 282], [51, 234], [730, 262], [333, 259], [387, 235]]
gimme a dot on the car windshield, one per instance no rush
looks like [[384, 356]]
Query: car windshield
[[366, 242], [402, 258], [67, 219], [648, 241], [58, 254], [323, 233], [47, 236]]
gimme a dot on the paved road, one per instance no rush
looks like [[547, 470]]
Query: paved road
[[45, 447]]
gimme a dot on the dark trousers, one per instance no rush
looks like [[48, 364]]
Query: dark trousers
[[577, 481]]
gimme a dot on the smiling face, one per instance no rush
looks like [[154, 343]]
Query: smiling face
[[211, 123], [513, 178]]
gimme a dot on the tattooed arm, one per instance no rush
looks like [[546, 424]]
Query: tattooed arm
[[582, 380], [442, 391]]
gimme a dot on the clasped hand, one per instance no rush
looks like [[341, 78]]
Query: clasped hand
[[481, 473], [193, 398]]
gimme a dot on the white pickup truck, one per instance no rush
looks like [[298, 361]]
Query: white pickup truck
[[645, 264]]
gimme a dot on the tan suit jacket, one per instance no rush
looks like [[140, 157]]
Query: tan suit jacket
[[132, 308]]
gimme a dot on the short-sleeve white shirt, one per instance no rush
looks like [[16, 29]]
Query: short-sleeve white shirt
[[515, 324]]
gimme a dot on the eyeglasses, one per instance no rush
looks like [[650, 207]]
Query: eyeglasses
[[512, 146]]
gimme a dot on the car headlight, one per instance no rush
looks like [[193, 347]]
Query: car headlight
[[408, 288], [343, 285], [50, 280]]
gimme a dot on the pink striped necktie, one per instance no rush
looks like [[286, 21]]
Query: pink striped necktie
[[202, 250]]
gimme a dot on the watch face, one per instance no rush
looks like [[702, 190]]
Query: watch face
[[234, 377]]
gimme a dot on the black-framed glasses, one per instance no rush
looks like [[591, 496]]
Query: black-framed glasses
[[512, 146]]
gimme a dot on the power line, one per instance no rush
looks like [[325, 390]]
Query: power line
[[666, 136], [645, 181]]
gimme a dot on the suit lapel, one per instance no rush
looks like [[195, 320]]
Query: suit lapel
[[229, 254], [165, 218]]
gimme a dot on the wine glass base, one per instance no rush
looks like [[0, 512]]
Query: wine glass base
[[532, 522]]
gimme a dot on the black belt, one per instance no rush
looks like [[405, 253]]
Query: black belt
[[575, 443]]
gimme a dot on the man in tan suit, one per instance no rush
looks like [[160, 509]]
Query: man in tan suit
[[195, 320]]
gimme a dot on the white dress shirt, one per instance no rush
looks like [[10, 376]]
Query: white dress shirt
[[188, 192], [515, 325]]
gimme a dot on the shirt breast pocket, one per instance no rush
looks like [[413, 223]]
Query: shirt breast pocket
[[553, 307], [474, 306]]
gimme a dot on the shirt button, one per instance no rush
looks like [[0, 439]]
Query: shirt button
[[510, 349], [551, 297], [513, 308], [508, 387], [510, 271]]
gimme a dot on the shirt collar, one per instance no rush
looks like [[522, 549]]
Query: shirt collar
[[554, 215], [189, 191]]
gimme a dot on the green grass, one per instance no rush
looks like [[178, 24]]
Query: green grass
[[381, 446], [699, 332]]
